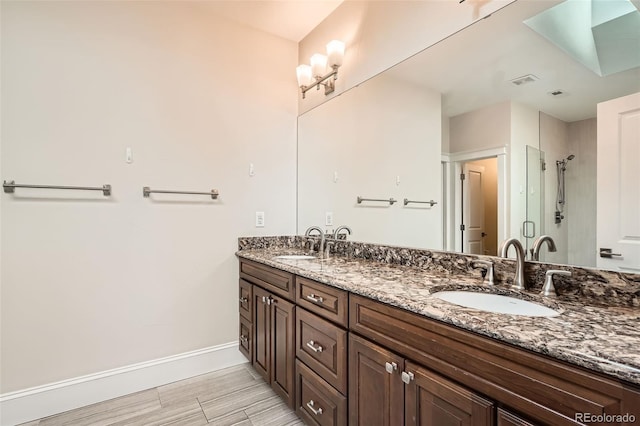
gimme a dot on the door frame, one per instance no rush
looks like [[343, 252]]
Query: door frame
[[452, 191]]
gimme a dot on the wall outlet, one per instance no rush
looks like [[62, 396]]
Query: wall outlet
[[129, 155], [259, 219], [328, 218]]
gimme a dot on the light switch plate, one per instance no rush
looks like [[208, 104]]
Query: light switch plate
[[328, 219], [259, 219]]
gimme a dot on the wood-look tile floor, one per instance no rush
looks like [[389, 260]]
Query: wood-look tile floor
[[233, 396]]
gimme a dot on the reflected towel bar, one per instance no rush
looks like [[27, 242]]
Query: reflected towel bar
[[9, 187], [390, 200], [430, 202], [146, 191]]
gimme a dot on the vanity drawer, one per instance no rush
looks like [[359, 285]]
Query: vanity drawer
[[246, 294], [317, 403], [329, 302], [274, 280], [323, 347], [245, 337]]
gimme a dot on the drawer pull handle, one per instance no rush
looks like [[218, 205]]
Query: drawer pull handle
[[312, 345], [407, 377], [390, 367], [244, 339], [311, 406], [314, 298], [243, 300]]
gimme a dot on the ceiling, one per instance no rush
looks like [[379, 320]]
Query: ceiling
[[289, 19], [474, 68]]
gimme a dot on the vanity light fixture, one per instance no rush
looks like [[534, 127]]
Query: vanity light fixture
[[310, 76]]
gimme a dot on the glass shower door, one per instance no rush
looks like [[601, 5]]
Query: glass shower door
[[534, 222]]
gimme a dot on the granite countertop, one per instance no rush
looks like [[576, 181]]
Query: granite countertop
[[600, 338]]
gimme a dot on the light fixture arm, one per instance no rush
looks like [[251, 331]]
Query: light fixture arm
[[326, 80]]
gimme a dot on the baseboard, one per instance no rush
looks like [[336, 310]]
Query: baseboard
[[42, 401]]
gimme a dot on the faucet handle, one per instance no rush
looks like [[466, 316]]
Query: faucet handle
[[549, 290], [327, 248], [486, 265]]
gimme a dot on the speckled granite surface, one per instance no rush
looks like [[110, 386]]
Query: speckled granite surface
[[597, 327]]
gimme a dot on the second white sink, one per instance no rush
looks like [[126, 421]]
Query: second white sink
[[496, 303]]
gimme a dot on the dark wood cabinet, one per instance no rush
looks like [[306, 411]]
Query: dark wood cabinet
[[506, 418], [430, 399], [386, 389], [376, 391], [543, 389], [261, 332], [341, 358], [328, 302], [271, 343], [246, 339], [317, 402], [282, 348], [246, 296], [273, 356], [323, 347]]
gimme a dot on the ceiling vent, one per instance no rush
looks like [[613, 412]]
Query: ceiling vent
[[525, 79], [558, 93]]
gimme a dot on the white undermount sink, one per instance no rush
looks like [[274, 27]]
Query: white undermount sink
[[295, 257], [495, 303]]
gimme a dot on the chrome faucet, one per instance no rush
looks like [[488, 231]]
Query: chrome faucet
[[322, 238], [518, 279], [339, 229], [537, 245]]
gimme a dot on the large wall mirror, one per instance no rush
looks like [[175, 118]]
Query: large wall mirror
[[512, 111]]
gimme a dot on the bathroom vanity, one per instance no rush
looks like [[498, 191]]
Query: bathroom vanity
[[360, 339]]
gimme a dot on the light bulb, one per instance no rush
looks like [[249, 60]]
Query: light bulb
[[304, 75], [318, 65], [335, 52]]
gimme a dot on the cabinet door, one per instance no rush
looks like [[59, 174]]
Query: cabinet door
[[262, 332], [282, 348], [376, 392], [430, 399]]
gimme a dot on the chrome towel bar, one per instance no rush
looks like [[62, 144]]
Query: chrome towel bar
[[146, 191], [390, 200], [430, 202], [10, 187]]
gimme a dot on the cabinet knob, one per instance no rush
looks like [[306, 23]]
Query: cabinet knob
[[243, 300], [264, 299], [314, 410], [244, 339], [407, 377], [390, 367], [312, 345]]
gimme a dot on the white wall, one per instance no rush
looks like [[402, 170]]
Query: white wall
[[484, 128], [400, 138], [507, 124], [380, 34], [91, 283], [581, 191]]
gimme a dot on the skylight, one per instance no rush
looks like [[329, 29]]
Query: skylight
[[603, 35]]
